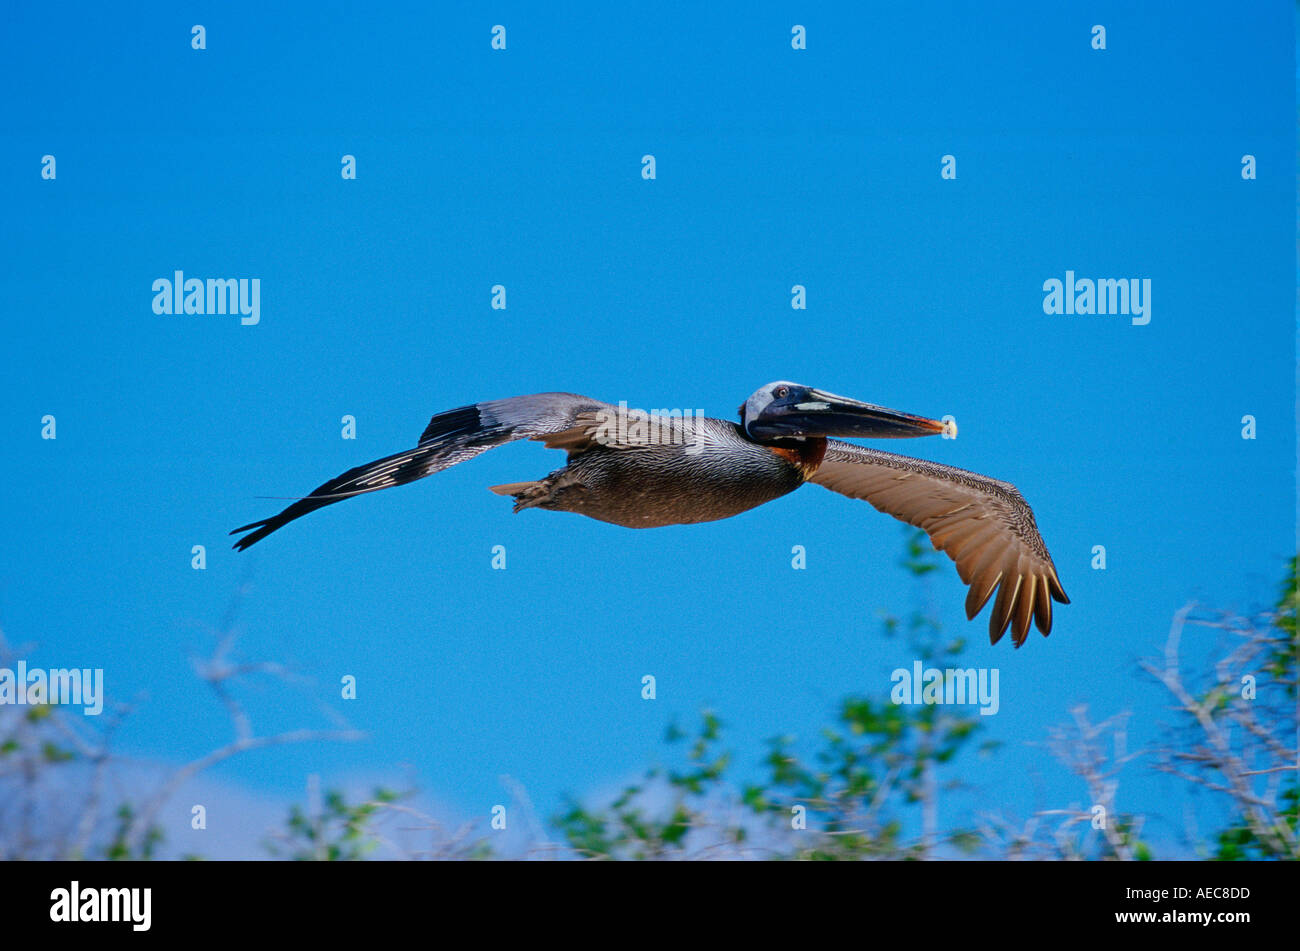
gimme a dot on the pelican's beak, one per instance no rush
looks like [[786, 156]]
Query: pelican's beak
[[818, 413]]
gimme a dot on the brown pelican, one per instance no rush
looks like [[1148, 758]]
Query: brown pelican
[[643, 471]]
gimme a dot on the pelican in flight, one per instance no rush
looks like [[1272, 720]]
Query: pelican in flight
[[643, 471]]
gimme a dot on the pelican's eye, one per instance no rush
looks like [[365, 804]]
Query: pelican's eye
[[781, 392]]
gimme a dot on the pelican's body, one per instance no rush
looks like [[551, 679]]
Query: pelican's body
[[655, 471], [718, 475]]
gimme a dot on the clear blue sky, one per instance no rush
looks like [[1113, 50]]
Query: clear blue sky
[[774, 168]]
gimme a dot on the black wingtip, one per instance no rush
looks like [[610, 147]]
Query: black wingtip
[[464, 420], [448, 437], [263, 528], [250, 539]]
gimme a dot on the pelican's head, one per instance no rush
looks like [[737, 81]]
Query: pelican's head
[[785, 410]]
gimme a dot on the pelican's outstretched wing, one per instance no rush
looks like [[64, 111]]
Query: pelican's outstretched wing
[[453, 437], [983, 525]]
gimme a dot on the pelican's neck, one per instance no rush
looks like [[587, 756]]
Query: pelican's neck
[[805, 454]]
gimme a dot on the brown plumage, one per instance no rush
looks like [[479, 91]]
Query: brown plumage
[[983, 525], [652, 472]]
